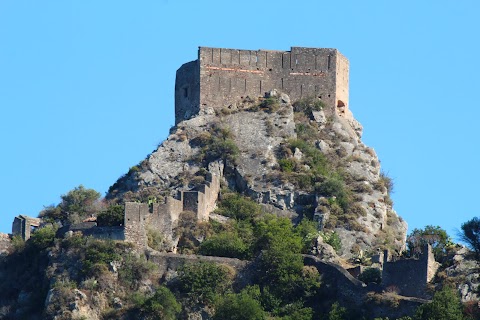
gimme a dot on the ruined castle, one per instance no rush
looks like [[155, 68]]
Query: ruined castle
[[222, 77]]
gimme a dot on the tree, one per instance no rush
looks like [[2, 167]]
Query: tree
[[470, 234], [446, 305], [75, 206], [432, 235], [280, 263]]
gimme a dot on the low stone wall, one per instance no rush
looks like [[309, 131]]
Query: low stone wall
[[341, 283], [170, 262]]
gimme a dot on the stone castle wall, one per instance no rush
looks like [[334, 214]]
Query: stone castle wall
[[22, 226], [222, 77], [410, 276], [139, 217]]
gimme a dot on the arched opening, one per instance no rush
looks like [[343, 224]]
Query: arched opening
[[341, 107]]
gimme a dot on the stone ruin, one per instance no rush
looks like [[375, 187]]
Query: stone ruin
[[163, 217], [23, 226], [222, 77], [405, 276], [409, 276]]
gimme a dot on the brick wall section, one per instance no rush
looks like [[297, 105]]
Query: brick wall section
[[222, 77]]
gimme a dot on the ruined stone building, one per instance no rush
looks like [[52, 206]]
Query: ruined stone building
[[23, 226], [222, 77], [409, 276]]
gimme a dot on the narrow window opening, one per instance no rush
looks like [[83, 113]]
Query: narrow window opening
[[185, 92], [282, 83], [328, 63], [260, 87]]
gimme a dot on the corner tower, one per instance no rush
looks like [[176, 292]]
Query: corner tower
[[222, 77]]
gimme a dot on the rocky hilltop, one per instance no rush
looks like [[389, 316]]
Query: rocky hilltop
[[296, 158]]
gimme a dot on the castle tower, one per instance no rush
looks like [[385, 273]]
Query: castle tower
[[222, 77]]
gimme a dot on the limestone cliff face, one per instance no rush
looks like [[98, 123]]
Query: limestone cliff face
[[263, 134]]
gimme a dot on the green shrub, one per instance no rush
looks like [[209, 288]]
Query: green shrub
[[307, 230], [43, 237], [239, 307], [99, 252], [308, 104], [287, 165], [337, 312], [238, 207], [162, 305], [371, 275], [154, 239], [335, 188], [270, 104], [332, 238], [133, 270], [113, 216], [225, 244], [202, 281], [446, 305]]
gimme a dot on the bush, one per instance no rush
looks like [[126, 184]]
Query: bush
[[239, 307], [270, 104], [202, 281], [332, 238], [238, 207], [371, 275], [99, 252], [113, 216], [307, 105], [133, 270], [162, 305], [287, 165], [43, 237], [335, 188], [225, 244], [446, 305], [154, 239]]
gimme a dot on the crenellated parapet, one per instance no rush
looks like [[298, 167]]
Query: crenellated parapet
[[163, 217], [222, 77]]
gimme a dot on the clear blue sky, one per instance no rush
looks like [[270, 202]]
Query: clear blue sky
[[86, 89]]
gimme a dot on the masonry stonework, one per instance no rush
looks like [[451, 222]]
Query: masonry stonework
[[163, 217], [223, 77], [22, 226], [410, 276]]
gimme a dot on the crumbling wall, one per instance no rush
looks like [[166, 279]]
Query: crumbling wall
[[223, 77], [409, 276], [139, 217], [22, 226]]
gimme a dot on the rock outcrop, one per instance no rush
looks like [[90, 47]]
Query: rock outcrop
[[261, 129]]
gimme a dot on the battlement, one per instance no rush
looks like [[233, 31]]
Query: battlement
[[163, 217], [223, 77]]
